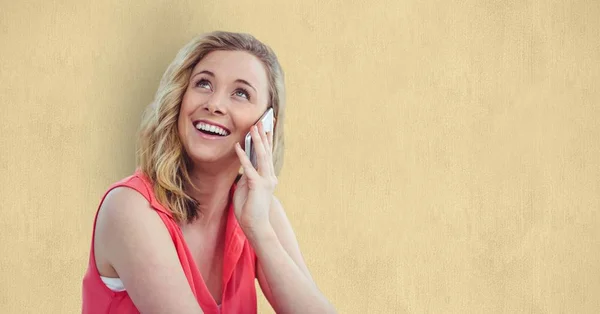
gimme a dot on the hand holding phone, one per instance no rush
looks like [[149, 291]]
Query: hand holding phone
[[253, 194], [267, 122]]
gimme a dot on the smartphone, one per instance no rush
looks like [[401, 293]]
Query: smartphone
[[267, 121]]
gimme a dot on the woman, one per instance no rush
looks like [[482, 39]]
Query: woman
[[186, 233]]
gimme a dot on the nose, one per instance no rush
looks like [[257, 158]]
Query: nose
[[216, 104]]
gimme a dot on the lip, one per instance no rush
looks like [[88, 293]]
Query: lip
[[210, 137], [212, 123]]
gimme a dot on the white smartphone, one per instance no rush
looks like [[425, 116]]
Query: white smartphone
[[267, 121]]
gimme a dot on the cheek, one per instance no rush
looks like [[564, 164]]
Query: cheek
[[180, 126], [243, 123], [185, 110], [245, 118], [182, 133], [182, 121], [185, 106]]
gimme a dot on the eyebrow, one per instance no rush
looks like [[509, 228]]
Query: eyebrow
[[209, 73]]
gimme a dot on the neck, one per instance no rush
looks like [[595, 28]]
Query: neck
[[212, 188]]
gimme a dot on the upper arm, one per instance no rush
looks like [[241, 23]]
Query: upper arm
[[132, 239], [286, 236]]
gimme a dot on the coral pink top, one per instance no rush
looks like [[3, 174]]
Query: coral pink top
[[239, 271]]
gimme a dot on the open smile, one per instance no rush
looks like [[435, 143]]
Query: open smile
[[210, 129]]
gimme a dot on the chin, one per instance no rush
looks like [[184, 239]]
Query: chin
[[206, 150], [205, 156], [210, 156]]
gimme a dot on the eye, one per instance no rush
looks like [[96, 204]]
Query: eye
[[240, 92], [202, 83]]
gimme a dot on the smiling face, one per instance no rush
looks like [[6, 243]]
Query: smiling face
[[227, 93]]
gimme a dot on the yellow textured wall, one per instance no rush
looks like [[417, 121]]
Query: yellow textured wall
[[442, 156]]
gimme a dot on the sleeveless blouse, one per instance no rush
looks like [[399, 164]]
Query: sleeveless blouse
[[239, 264]]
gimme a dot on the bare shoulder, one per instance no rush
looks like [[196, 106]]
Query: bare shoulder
[[133, 243], [121, 207], [123, 213], [121, 198]]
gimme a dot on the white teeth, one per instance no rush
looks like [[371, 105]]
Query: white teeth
[[211, 128]]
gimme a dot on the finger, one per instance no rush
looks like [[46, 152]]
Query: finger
[[270, 137], [249, 170], [265, 139], [269, 168], [259, 149], [269, 141], [258, 130]]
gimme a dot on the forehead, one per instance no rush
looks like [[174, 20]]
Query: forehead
[[233, 65]]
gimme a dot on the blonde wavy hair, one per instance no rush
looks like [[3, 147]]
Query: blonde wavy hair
[[160, 154]]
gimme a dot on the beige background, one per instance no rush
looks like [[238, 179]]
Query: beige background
[[442, 156]]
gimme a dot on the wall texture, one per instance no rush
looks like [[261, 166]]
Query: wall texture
[[443, 156]]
